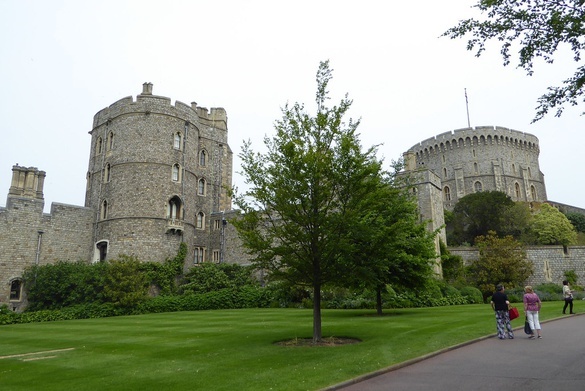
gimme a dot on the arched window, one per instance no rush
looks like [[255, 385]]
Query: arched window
[[15, 290], [475, 169], [517, 190], [107, 173], [102, 250], [176, 174], [104, 211], [529, 173], [477, 186], [447, 193], [174, 208], [533, 192], [98, 146], [444, 173], [202, 158], [110, 143], [200, 220], [177, 140], [201, 187]]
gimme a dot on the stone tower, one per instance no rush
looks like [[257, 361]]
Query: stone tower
[[157, 173], [481, 159]]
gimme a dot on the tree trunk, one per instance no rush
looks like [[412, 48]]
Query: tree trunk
[[379, 301], [317, 313]]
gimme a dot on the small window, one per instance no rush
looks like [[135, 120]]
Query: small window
[[202, 158], [475, 168], [200, 220], [98, 146], [15, 290], [533, 192], [215, 256], [199, 255], [201, 187], [529, 173], [517, 190], [177, 140], [110, 142], [176, 173], [477, 186], [107, 173], [216, 224], [444, 173], [514, 169], [104, 211]]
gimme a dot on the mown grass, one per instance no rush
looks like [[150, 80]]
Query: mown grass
[[229, 349]]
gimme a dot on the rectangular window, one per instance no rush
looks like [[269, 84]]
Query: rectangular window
[[216, 256], [216, 224], [199, 255]]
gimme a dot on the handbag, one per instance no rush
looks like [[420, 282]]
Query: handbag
[[513, 312], [527, 328]]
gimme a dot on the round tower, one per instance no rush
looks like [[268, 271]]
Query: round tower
[[156, 174], [482, 159]]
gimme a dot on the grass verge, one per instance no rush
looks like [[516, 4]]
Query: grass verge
[[230, 349]]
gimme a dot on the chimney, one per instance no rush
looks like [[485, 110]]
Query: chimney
[[147, 89]]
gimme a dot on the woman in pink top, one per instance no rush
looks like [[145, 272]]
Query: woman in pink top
[[531, 308]]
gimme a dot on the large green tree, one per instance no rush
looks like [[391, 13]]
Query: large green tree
[[538, 28], [501, 260], [392, 246], [305, 193], [550, 226], [478, 213]]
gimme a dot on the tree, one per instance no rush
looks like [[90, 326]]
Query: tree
[[550, 226], [478, 213], [578, 221], [501, 260], [392, 245], [540, 27], [305, 193]]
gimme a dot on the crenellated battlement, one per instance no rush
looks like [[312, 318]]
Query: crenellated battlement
[[146, 103], [480, 135]]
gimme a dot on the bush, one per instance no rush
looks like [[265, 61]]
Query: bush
[[472, 294]]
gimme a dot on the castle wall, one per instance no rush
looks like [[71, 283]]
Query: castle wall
[[29, 237], [550, 262]]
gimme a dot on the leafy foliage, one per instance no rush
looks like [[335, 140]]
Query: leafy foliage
[[124, 284], [540, 28], [209, 277], [549, 226], [63, 284], [305, 194], [578, 221], [478, 213], [501, 260]]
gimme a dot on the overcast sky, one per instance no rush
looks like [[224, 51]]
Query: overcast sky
[[63, 61]]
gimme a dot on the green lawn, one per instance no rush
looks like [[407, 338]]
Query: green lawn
[[229, 350]]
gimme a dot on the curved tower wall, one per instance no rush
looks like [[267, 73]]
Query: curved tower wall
[[148, 182], [483, 159]]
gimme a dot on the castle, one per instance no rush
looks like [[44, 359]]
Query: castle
[[158, 175]]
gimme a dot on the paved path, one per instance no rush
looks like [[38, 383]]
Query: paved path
[[555, 362]]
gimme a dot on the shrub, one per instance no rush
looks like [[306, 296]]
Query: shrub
[[472, 294]]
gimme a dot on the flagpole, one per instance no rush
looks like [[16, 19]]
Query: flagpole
[[467, 108]]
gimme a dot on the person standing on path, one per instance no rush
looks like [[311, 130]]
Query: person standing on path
[[532, 305], [568, 296], [500, 305]]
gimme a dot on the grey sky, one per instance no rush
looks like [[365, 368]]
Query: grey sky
[[63, 61]]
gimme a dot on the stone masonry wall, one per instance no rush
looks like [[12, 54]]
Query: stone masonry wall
[[550, 262]]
